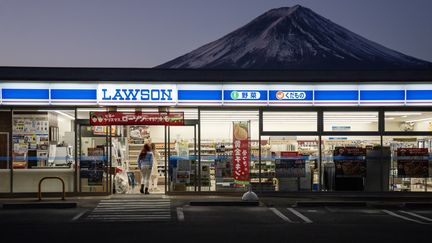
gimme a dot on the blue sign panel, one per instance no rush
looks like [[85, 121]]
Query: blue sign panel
[[206, 94], [245, 95], [200, 95], [74, 94], [419, 95], [382, 95], [291, 95], [25, 94], [331, 95]]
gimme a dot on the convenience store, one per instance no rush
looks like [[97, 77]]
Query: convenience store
[[282, 131]]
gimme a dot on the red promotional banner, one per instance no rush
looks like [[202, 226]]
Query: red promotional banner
[[413, 162], [241, 153], [136, 118]]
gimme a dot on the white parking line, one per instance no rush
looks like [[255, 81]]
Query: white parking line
[[416, 215], [402, 217], [281, 215], [180, 214], [298, 214], [78, 216]]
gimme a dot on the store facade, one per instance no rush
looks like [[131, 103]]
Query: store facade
[[215, 136]]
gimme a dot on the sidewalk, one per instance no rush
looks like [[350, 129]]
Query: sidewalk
[[266, 199]]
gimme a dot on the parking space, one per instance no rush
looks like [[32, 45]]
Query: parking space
[[352, 215], [306, 215]]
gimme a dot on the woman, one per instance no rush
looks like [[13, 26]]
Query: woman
[[145, 164], [154, 176]]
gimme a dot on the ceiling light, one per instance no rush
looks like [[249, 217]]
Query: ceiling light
[[66, 115], [419, 120], [403, 113]]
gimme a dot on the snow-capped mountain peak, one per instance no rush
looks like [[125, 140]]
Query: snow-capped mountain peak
[[294, 38]]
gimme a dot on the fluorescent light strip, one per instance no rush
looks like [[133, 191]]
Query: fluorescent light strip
[[419, 120], [403, 114], [64, 114]]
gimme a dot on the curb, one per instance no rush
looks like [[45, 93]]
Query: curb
[[40, 205], [327, 203], [225, 203], [418, 205], [387, 205]]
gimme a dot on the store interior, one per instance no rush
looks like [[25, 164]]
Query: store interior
[[43, 143]]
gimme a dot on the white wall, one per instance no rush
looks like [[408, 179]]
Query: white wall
[[282, 126], [65, 125], [418, 126]]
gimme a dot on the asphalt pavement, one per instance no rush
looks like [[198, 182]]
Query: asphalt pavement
[[172, 219]]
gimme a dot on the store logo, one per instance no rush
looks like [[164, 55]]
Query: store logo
[[137, 94], [235, 95], [290, 95], [280, 95], [245, 95]]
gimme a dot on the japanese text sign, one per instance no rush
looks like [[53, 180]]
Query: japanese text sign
[[136, 118]]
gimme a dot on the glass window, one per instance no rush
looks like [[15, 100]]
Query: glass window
[[222, 132], [351, 121], [288, 163], [289, 121], [408, 121], [411, 167], [5, 151], [43, 146], [347, 164]]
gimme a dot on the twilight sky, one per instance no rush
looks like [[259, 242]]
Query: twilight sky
[[146, 33]]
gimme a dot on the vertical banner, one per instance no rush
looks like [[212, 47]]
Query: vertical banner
[[241, 153]]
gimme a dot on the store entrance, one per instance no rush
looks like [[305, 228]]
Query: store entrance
[[108, 157]]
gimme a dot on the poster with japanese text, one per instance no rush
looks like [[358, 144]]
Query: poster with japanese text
[[350, 161], [241, 152], [290, 165], [413, 162]]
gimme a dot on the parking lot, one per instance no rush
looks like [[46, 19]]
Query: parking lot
[[307, 215], [118, 219]]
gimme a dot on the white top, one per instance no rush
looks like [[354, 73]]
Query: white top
[[156, 157]]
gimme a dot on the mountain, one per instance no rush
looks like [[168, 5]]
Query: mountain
[[294, 38]]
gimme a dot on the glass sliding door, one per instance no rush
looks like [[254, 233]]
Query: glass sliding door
[[183, 166], [93, 158]]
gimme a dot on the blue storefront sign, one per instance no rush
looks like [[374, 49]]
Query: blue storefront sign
[[53, 93]]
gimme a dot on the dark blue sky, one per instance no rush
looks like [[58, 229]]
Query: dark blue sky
[[145, 33]]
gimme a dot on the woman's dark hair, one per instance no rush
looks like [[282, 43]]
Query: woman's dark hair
[[144, 151]]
